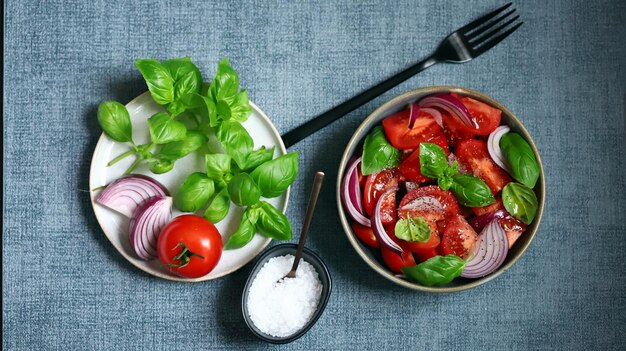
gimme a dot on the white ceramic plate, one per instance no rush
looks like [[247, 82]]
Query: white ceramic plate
[[115, 225]]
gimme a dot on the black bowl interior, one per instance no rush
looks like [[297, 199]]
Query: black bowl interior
[[324, 276]]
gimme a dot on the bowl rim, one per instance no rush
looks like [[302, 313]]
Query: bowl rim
[[321, 306], [368, 124]]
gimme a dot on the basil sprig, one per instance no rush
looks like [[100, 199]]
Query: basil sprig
[[114, 120], [520, 201], [378, 153], [470, 191], [414, 229], [438, 270], [261, 217], [520, 158]]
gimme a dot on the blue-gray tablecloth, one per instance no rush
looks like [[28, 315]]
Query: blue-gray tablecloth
[[564, 74]]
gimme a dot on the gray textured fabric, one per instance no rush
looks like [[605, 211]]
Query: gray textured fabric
[[564, 74]]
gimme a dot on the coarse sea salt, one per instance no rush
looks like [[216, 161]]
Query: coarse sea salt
[[282, 308]]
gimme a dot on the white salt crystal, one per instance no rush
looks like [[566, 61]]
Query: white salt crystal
[[280, 309]]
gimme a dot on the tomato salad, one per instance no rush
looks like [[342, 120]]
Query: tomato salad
[[443, 189]]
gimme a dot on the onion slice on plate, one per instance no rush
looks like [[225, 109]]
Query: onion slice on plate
[[126, 194], [351, 194], [414, 111], [146, 225], [377, 224], [489, 251], [451, 105], [493, 146]]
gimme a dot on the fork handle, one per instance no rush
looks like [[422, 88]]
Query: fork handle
[[321, 121]]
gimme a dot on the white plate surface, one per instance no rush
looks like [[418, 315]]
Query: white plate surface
[[115, 225]]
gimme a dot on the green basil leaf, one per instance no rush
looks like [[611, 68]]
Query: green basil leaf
[[165, 129], [219, 206], [378, 153], [187, 77], [243, 190], [194, 192], [217, 166], [244, 233], [240, 110], [160, 166], [471, 191], [179, 149], [520, 201], [159, 81], [438, 270], [114, 120], [520, 158], [272, 223], [235, 140], [225, 83], [256, 158], [223, 110], [211, 111], [274, 177], [414, 229], [433, 160]]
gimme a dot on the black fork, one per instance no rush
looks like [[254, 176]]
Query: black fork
[[462, 45]]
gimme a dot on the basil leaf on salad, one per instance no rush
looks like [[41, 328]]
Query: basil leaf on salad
[[114, 120], [520, 201], [235, 140], [218, 207], [217, 166], [378, 153], [520, 158], [471, 191], [414, 229], [159, 81], [272, 223], [438, 270], [165, 129], [194, 193], [433, 160], [244, 234], [275, 176], [178, 149], [243, 190]]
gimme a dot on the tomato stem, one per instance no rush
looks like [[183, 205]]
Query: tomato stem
[[183, 257]]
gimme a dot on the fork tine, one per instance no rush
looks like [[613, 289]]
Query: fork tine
[[476, 23], [495, 40], [482, 37], [477, 32]]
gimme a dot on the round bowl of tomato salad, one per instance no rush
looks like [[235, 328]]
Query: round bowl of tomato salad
[[441, 189]]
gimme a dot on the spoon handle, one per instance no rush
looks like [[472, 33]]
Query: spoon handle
[[315, 191]]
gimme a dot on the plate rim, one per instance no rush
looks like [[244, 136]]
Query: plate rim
[[172, 277]]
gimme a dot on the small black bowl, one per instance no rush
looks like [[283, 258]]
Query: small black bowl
[[324, 276]]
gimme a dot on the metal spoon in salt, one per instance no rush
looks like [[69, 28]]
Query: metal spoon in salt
[[315, 191]]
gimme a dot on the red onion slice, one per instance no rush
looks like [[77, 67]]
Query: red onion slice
[[493, 146], [377, 225], [489, 251], [424, 203], [146, 225], [436, 115], [414, 111], [351, 194], [451, 105], [125, 194]]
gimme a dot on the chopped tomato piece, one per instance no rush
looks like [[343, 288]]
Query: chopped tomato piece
[[394, 261], [485, 116], [454, 130], [410, 167], [429, 248], [447, 200], [375, 186], [472, 154], [498, 205], [513, 228], [365, 234], [458, 237], [402, 137]]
